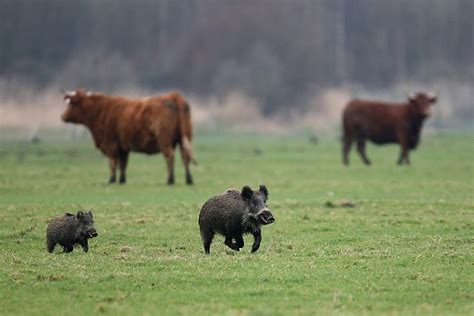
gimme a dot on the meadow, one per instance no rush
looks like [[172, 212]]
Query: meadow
[[406, 247]]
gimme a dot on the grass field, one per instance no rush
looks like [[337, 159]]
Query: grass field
[[406, 248]]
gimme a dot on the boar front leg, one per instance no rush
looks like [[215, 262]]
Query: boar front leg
[[231, 244], [85, 245], [257, 235]]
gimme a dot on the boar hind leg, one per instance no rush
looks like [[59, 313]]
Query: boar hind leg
[[258, 238], [123, 160], [50, 245], [207, 237], [113, 169], [169, 157], [361, 150], [231, 244]]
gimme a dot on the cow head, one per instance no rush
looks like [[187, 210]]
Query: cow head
[[421, 103], [75, 101]]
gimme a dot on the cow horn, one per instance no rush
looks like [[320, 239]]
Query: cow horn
[[431, 95], [89, 93], [69, 93], [411, 96]]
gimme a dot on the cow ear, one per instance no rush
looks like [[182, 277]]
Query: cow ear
[[80, 214], [411, 97], [246, 193], [264, 190], [433, 97]]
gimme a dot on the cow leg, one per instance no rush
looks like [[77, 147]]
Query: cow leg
[[113, 169], [186, 162], [403, 156], [169, 157], [361, 150], [346, 147], [403, 150], [123, 160]]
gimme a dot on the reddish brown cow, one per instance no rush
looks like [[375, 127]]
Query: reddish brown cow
[[120, 125], [382, 123]]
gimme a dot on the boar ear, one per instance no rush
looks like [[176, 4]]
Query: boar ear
[[264, 190], [246, 193], [80, 214]]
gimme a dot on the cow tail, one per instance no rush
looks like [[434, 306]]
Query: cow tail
[[186, 128]]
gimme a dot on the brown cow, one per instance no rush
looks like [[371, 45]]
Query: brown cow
[[382, 122], [120, 125]]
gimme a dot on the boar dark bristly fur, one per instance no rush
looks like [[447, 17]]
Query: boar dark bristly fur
[[70, 229], [233, 214]]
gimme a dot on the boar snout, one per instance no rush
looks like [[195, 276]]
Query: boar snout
[[265, 217], [92, 233]]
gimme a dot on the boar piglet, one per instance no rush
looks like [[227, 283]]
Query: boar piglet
[[233, 214], [70, 229]]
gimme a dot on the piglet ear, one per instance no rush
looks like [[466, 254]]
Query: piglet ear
[[246, 192], [80, 214], [264, 190]]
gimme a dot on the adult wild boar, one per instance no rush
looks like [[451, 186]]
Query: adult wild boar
[[70, 229], [383, 122], [233, 214], [120, 125]]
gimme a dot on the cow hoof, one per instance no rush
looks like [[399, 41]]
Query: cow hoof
[[122, 180], [112, 180], [170, 181], [189, 180]]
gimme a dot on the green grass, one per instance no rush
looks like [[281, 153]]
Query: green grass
[[406, 248]]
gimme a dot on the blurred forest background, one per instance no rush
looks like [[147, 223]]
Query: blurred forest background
[[257, 64]]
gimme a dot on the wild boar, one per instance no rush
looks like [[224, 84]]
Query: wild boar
[[233, 214], [70, 229]]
